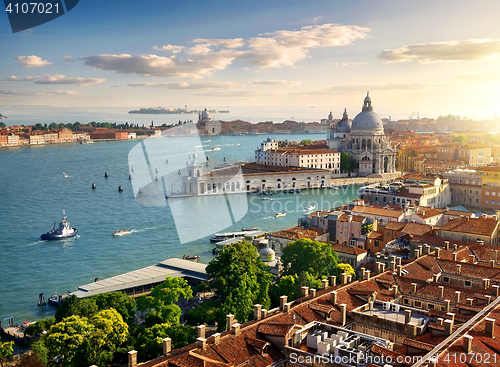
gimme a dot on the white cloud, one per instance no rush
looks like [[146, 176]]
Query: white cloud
[[185, 85], [32, 61], [40, 93], [275, 82], [68, 58], [362, 88], [350, 63], [153, 65], [169, 48], [61, 79], [12, 78], [466, 50], [276, 49]]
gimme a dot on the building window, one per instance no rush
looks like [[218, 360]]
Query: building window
[[446, 279], [430, 306], [468, 283], [418, 304], [406, 301], [492, 202], [487, 193], [486, 202]]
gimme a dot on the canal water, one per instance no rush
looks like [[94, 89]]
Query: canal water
[[34, 191]]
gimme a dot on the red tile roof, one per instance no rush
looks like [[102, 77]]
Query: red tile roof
[[479, 226]]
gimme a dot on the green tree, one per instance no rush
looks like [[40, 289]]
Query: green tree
[[366, 228], [314, 257], [162, 298], [460, 139], [2, 124], [306, 142], [6, 351], [287, 286], [70, 306], [39, 350], [248, 287], [39, 326], [149, 343], [345, 161], [122, 303], [229, 266]]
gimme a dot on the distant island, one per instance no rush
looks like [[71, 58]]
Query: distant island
[[2, 116], [168, 111]]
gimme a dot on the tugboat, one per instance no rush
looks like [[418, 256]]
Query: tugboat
[[64, 231]]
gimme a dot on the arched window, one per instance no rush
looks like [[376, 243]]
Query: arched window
[[363, 144], [369, 145], [219, 186], [190, 173]]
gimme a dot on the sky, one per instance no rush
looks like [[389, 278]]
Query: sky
[[432, 57]]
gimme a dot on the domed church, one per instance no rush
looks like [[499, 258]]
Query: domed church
[[364, 139]]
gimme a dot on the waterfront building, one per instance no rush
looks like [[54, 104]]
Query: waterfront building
[[51, 137], [365, 141], [36, 137], [207, 125], [65, 135], [490, 195]]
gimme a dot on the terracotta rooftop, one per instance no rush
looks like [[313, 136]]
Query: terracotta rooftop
[[351, 250], [479, 226], [359, 209]]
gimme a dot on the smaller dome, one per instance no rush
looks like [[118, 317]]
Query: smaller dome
[[267, 254], [205, 114], [344, 125], [330, 116], [367, 98]]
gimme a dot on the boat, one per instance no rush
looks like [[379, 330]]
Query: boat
[[277, 215], [237, 144], [120, 233], [60, 233], [207, 141], [334, 187], [66, 175], [265, 199], [310, 207], [297, 191], [249, 229], [291, 191], [216, 148], [194, 258]]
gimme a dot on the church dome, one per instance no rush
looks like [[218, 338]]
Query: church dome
[[344, 125], [267, 254], [367, 119], [205, 114]]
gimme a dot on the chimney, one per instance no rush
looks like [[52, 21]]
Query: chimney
[[420, 251], [167, 346], [216, 338], [400, 271], [324, 283], [202, 343], [457, 297], [395, 289], [434, 278], [264, 313], [427, 249], [363, 270], [472, 259], [411, 330], [398, 261], [447, 245], [417, 253], [448, 327], [333, 298], [451, 315], [344, 278], [469, 301], [367, 275], [413, 288], [488, 299], [333, 280], [494, 290], [235, 328], [467, 346], [455, 246], [455, 256], [229, 321], [343, 310], [393, 265], [441, 292], [459, 269], [349, 278], [257, 312], [437, 252], [407, 316], [283, 300], [492, 263], [305, 291], [447, 305], [440, 320], [201, 331], [286, 307], [313, 293], [494, 255], [132, 358], [489, 327]]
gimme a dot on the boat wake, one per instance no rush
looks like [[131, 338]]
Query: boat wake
[[142, 230], [34, 243]]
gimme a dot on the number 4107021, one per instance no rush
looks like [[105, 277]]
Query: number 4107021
[[32, 8]]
